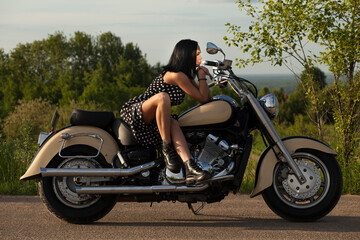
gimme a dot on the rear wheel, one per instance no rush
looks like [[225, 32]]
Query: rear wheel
[[309, 201], [60, 197]]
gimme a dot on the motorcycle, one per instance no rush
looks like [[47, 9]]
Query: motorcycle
[[86, 167]]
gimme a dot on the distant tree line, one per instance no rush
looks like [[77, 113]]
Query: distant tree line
[[80, 68]]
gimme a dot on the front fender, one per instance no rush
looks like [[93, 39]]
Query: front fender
[[268, 159], [52, 146]]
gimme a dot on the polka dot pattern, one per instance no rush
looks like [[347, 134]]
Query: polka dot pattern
[[131, 112]]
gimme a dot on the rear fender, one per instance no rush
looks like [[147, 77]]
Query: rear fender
[[268, 159], [52, 147]]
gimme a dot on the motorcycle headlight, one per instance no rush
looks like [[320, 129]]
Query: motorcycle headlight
[[272, 105]]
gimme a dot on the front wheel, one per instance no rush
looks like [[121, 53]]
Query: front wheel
[[60, 197], [309, 201]]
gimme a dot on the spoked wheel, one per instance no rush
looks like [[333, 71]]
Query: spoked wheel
[[59, 194], [312, 200]]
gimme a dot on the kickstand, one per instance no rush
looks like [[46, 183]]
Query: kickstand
[[196, 212]]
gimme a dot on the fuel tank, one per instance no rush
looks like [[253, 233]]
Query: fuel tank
[[219, 110]]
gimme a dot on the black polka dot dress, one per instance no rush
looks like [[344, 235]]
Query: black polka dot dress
[[148, 134]]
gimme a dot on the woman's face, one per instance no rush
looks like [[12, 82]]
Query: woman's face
[[198, 56]]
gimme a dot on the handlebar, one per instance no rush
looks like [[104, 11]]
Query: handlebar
[[212, 63], [212, 84], [222, 80], [218, 83]]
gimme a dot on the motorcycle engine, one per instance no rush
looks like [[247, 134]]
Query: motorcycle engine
[[211, 152], [213, 149], [214, 156]]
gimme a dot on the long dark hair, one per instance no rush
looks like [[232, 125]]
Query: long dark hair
[[183, 58]]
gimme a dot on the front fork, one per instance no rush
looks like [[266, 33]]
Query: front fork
[[283, 153]]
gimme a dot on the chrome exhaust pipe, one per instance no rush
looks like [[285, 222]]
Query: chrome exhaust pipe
[[139, 189], [94, 172], [219, 179], [150, 189]]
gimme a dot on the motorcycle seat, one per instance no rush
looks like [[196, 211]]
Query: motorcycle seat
[[123, 132], [101, 119]]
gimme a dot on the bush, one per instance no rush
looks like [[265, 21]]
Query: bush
[[37, 112], [15, 158], [21, 129]]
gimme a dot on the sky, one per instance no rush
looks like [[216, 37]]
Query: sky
[[154, 25]]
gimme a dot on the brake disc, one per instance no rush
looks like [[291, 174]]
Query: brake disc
[[312, 185]]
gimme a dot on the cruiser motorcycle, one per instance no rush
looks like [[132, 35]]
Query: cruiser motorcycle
[[86, 167]]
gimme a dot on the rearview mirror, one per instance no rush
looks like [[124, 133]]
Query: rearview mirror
[[211, 48]]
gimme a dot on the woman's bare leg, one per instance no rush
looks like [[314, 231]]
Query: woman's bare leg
[[194, 173], [159, 107], [179, 141]]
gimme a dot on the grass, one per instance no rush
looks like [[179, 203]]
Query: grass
[[16, 155], [15, 158]]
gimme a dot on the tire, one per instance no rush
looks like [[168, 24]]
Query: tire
[[312, 200], [59, 196]]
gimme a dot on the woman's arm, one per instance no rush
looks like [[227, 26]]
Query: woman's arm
[[200, 93], [202, 72]]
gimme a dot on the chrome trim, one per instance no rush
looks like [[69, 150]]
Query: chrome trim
[[94, 172], [67, 136], [175, 177], [271, 103], [218, 179], [122, 160], [224, 145], [139, 189], [225, 171]]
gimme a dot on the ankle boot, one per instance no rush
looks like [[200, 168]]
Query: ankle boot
[[194, 173], [170, 157]]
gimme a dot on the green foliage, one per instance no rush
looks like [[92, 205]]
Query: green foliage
[[283, 30], [81, 68], [80, 71], [37, 112], [316, 75], [346, 100], [290, 105], [15, 157], [18, 146]]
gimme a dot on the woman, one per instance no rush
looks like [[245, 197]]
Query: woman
[[149, 115]]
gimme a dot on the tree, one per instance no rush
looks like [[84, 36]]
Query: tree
[[317, 76], [338, 24], [109, 48], [276, 37], [80, 68], [284, 30], [318, 80], [5, 98]]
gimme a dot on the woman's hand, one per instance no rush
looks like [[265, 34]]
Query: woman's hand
[[202, 72]]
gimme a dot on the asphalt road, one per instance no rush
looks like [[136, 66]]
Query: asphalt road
[[236, 217]]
